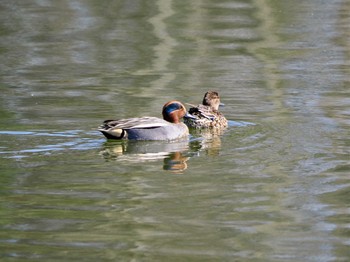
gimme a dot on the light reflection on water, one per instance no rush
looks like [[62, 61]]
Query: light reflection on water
[[36, 137], [272, 186]]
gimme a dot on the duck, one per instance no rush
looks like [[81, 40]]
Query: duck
[[207, 114], [149, 128]]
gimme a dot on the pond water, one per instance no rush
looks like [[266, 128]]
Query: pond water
[[273, 186]]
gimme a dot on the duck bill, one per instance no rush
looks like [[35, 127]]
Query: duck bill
[[188, 115]]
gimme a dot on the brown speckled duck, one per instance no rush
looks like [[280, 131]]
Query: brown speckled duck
[[207, 114]]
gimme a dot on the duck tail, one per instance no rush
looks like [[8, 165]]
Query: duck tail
[[113, 133], [110, 131]]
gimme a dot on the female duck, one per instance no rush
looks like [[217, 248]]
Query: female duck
[[206, 115], [149, 128]]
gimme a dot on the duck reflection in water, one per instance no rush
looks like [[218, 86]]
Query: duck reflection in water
[[176, 162], [174, 154], [207, 140]]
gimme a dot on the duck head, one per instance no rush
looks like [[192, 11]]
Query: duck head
[[173, 111], [212, 99]]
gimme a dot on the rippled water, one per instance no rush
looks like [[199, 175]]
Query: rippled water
[[274, 186]]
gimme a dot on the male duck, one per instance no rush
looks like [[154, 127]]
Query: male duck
[[206, 115], [149, 128]]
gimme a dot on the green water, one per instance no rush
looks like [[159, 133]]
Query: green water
[[274, 186]]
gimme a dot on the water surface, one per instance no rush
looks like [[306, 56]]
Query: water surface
[[271, 187]]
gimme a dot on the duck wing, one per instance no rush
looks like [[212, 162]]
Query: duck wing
[[134, 123], [202, 111]]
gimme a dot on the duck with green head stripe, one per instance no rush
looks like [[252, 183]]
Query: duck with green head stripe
[[149, 128]]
